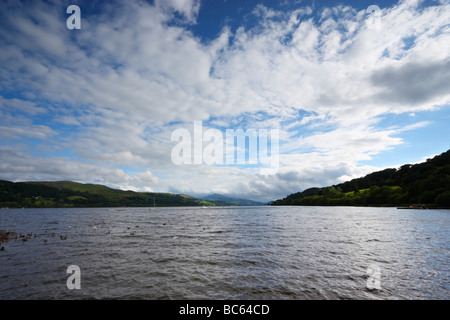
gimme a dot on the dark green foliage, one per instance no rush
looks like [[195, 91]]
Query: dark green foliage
[[424, 183], [443, 199]]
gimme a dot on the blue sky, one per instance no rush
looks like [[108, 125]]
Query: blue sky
[[100, 104]]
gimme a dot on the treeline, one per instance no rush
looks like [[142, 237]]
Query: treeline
[[425, 183], [38, 195]]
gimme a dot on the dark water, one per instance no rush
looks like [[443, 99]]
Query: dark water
[[227, 253]]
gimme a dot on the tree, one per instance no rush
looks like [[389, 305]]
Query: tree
[[443, 199]]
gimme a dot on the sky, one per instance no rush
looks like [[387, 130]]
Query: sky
[[351, 87]]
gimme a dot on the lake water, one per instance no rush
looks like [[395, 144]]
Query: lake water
[[227, 253]]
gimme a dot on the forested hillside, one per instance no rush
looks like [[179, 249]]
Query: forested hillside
[[424, 183]]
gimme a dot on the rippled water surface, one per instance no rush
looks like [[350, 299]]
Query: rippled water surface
[[226, 253]]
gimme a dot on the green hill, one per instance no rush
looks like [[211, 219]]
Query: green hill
[[424, 183], [73, 194]]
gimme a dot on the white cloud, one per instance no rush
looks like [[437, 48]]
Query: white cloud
[[27, 107], [188, 8]]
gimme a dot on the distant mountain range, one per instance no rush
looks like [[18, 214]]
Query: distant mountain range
[[218, 199], [426, 183], [37, 194]]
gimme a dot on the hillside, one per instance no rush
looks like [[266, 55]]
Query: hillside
[[424, 183], [73, 194]]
